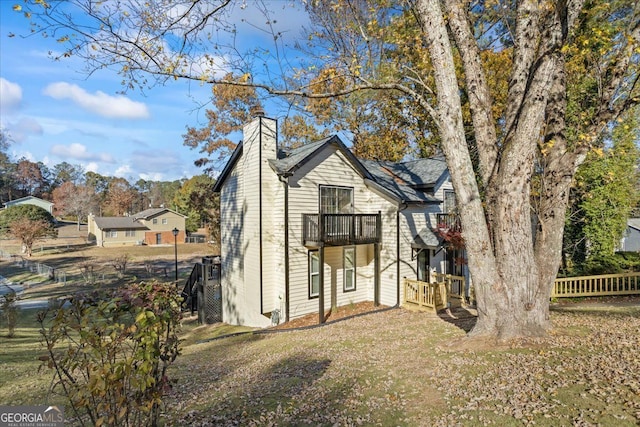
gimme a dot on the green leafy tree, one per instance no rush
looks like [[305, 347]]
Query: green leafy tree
[[604, 195], [197, 200], [7, 168], [66, 172]]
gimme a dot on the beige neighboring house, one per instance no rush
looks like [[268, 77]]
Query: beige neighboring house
[[150, 227], [31, 200]]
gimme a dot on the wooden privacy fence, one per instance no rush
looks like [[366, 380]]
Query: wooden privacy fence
[[589, 286], [435, 296]]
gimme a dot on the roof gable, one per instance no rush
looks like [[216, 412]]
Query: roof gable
[[298, 157], [153, 212], [27, 199]]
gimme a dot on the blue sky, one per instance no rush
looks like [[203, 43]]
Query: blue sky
[[53, 112]]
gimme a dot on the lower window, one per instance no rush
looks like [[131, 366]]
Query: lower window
[[349, 263], [314, 274]]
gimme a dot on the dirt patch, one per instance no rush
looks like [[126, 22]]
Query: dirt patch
[[344, 312]]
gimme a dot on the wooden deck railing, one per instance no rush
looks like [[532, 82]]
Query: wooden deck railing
[[450, 221], [341, 229], [435, 296], [588, 286], [455, 285]]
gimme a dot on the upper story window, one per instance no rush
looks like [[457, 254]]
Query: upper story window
[[164, 221], [155, 220], [334, 200], [449, 201]]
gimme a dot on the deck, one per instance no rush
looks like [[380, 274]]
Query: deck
[[341, 229]]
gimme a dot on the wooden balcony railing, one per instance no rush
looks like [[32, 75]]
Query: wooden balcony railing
[[448, 221], [341, 229]]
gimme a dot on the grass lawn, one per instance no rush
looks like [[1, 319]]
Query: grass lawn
[[396, 367], [392, 368]]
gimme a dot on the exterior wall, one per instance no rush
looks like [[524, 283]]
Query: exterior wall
[[250, 249], [166, 237], [327, 168], [166, 221], [631, 240], [232, 205], [121, 239]]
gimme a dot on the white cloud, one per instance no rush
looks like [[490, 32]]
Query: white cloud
[[79, 152], [91, 167], [25, 127], [99, 102], [123, 171], [10, 95]]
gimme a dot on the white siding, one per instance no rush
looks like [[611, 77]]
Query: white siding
[[252, 200], [330, 167], [231, 236]]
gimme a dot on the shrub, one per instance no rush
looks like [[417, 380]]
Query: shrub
[[110, 353], [10, 312]]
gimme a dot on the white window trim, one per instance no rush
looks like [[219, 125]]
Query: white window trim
[[311, 256], [351, 270]]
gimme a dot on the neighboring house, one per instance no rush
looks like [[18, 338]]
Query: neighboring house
[[631, 240], [150, 227], [314, 228], [31, 200]]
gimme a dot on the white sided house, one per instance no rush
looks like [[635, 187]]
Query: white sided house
[[313, 228]]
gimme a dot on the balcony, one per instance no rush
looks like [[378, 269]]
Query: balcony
[[340, 229], [448, 221]]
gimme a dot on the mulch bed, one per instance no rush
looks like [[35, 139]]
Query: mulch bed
[[343, 312]]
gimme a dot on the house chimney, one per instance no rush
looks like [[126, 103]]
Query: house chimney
[[256, 111]]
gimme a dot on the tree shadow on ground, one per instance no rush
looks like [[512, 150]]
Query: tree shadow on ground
[[461, 317], [292, 391]]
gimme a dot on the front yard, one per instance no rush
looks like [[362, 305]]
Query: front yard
[[391, 368], [395, 367]]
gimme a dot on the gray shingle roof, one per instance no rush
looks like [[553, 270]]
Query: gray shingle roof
[[405, 181], [147, 213], [118, 223], [151, 212], [426, 238], [408, 180]]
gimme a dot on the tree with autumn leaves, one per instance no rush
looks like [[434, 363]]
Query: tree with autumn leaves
[[28, 224], [515, 94]]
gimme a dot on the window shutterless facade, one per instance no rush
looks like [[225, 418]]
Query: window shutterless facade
[[336, 200], [130, 233], [449, 201], [112, 234], [164, 221], [349, 264], [314, 274]]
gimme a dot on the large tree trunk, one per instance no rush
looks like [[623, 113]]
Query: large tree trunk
[[513, 266]]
